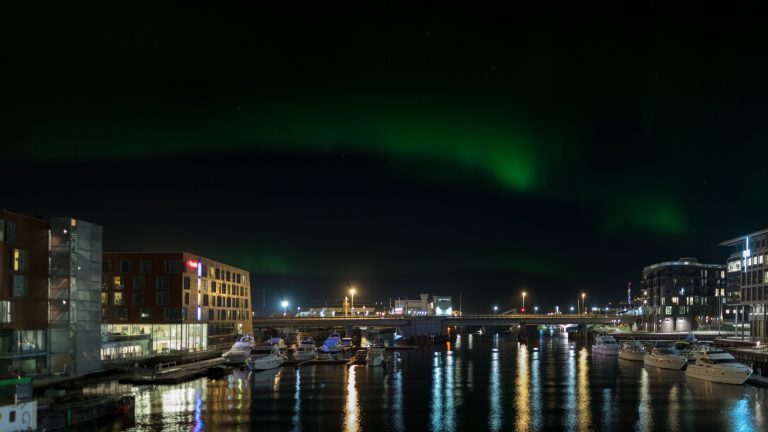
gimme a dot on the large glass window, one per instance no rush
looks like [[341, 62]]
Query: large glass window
[[6, 311], [118, 299], [117, 282], [161, 298], [187, 282], [138, 282], [125, 266], [138, 298]]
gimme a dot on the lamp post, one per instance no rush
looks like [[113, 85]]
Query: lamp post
[[535, 309], [284, 304], [583, 305], [523, 309], [352, 299], [495, 308]]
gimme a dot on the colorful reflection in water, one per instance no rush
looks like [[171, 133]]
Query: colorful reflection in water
[[551, 384]]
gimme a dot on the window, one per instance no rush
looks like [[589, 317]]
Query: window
[[138, 282], [217, 274], [117, 299], [145, 266], [162, 282], [19, 286], [122, 314], [674, 300], [12, 416], [213, 286], [104, 298], [205, 300], [229, 276], [210, 314], [172, 314], [106, 266], [125, 266], [6, 311], [146, 313], [161, 298], [668, 310], [138, 298], [174, 266], [7, 231], [117, 282], [186, 298], [19, 260], [187, 282]]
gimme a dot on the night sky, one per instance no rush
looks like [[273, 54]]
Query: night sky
[[398, 148]]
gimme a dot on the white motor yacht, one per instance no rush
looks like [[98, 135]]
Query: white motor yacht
[[306, 350], [264, 357], [333, 343], [605, 345], [275, 341], [718, 366], [240, 350], [665, 358], [632, 350], [375, 354]]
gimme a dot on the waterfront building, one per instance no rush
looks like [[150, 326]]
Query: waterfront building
[[49, 295], [163, 302], [424, 305], [681, 295], [748, 278]]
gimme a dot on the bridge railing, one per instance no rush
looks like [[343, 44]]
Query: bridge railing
[[465, 316]]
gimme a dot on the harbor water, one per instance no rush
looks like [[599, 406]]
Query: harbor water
[[477, 382]]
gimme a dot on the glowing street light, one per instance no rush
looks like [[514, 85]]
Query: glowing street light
[[523, 309], [583, 305], [495, 308], [571, 308], [352, 296], [284, 304], [535, 309]]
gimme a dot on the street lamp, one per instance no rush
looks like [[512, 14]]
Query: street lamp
[[495, 308], [352, 302], [284, 304], [535, 309], [523, 309], [571, 308], [583, 305]]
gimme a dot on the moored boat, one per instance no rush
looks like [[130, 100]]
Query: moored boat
[[632, 350], [239, 350], [375, 354], [605, 345], [264, 358], [306, 350], [332, 344], [718, 366], [665, 358]]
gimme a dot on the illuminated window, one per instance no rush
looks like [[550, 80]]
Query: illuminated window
[[674, 300], [117, 299], [117, 282], [668, 310], [760, 259], [19, 260], [103, 298]]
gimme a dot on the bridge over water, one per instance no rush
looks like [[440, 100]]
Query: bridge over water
[[436, 325]]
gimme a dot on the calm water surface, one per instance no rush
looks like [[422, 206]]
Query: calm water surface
[[486, 382]]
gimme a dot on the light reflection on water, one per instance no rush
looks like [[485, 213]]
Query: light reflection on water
[[551, 384]]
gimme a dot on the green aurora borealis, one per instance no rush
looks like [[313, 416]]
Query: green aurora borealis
[[405, 149]]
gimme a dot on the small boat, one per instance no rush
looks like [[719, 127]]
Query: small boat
[[691, 352], [665, 358], [632, 350], [346, 342], [718, 366], [306, 350], [333, 343], [264, 358], [275, 341], [605, 345], [240, 349], [375, 354]]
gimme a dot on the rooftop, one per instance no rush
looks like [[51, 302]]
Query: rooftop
[[686, 261], [738, 240]]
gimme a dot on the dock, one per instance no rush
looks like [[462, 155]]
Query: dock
[[167, 373]]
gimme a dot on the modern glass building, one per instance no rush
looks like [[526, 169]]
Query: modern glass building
[[171, 302], [49, 295], [748, 280]]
